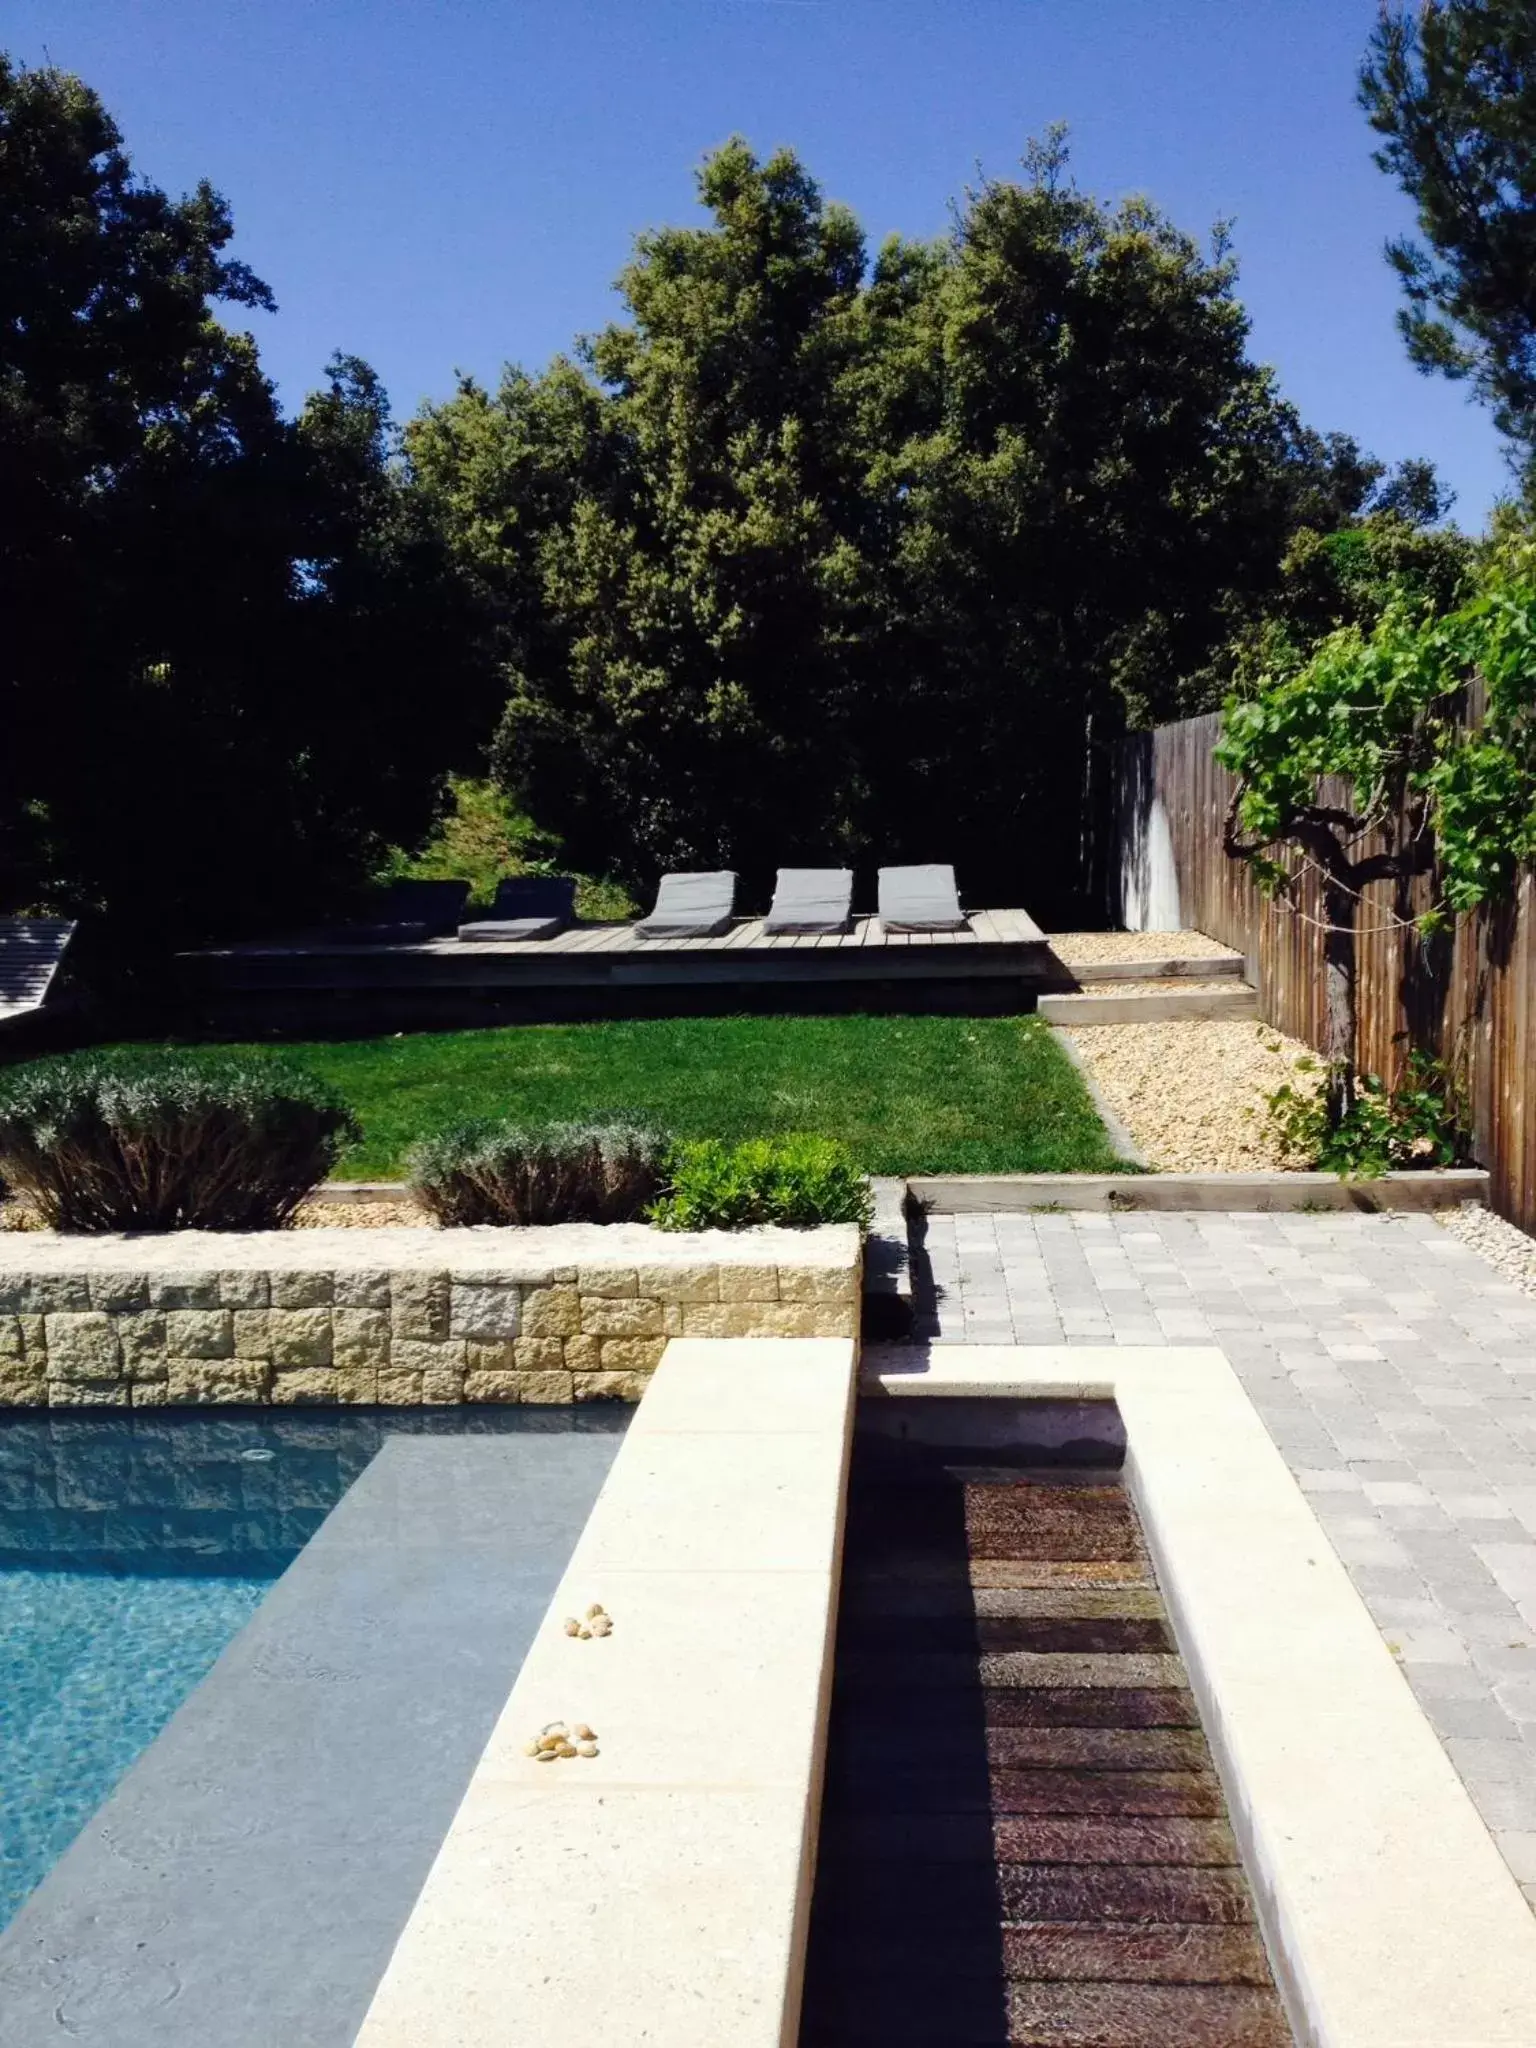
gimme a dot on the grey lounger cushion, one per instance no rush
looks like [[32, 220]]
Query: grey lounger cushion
[[691, 906], [811, 900], [526, 907], [920, 899]]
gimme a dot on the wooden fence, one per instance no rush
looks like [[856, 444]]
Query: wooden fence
[[1468, 996]]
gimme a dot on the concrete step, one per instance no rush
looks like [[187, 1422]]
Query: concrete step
[[1159, 1006], [1166, 967]]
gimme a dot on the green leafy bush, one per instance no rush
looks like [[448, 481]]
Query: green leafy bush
[[797, 1180], [168, 1141], [1421, 1121], [489, 1172]]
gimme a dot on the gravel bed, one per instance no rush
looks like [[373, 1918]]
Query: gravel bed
[[387, 1215], [1091, 947], [1192, 1093], [394, 1213], [1506, 1247]]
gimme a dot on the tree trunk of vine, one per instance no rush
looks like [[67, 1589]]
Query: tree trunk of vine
[[1339, 907]]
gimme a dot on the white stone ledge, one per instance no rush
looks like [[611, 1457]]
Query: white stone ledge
[[658, 1893], [521, 1255], [1392, 1919]]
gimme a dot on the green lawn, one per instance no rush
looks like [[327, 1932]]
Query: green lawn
[[905, 1094]]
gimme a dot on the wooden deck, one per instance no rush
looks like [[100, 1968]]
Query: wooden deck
[[998, 942], [599, 970]]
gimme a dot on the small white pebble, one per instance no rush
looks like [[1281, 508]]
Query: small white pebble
[[586, 1749], [572, 1626]]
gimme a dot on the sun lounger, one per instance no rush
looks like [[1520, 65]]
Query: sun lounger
[[408, 912], [811, 900], [526, 907], [920, 899], [691, 906]]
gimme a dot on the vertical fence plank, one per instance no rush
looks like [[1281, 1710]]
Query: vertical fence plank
[[1470, 998]]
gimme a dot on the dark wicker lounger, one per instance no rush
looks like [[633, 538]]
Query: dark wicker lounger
[[526, 907]]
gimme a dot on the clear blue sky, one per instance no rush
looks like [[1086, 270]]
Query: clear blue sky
[[451, 184]]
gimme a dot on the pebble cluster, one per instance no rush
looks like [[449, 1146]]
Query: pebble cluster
[[1507, 1249], [557, 1741], [597, 1623]]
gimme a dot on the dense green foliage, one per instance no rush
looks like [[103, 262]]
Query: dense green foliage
[[233, 664], [1385, 752], [143, 1140], [1420, 1121], [1344, 578], [1385, 710], [904, 1094], [816, 559], [482, 837], [506, 1173], [1451, 85], [797, 1180]]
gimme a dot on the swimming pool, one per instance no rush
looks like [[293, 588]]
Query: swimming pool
[[133, 1548]]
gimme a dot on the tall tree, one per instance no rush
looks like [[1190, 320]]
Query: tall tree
[[813, 559], [1451, 85], [213, 615]]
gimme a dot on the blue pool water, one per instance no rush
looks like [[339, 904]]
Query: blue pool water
[[132, 1549]]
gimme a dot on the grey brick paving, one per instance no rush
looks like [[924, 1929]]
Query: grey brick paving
[[1396, 1372]]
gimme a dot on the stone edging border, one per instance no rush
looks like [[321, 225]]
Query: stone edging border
[[1122, 1144], [1391, 1917], [953, 1194]]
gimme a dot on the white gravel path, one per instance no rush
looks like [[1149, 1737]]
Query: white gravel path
[[1193, 1094], [1093, 947]]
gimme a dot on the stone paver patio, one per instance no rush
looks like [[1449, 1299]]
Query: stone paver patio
[[1396, 1372]]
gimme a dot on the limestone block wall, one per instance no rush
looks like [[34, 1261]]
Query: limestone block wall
[[397, 1317]]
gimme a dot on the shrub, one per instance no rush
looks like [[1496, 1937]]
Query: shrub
[[167, 1141], [487, 1172], [800, 1181], [1421, 1121]]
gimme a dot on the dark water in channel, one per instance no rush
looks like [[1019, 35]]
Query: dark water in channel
[[1023, 1839]]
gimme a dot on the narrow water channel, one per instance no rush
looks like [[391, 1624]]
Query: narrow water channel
[[1023, 1838]]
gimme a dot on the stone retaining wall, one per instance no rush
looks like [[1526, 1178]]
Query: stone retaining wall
[[397, 1317]]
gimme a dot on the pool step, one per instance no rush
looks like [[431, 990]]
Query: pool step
[[1023, 1838]]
